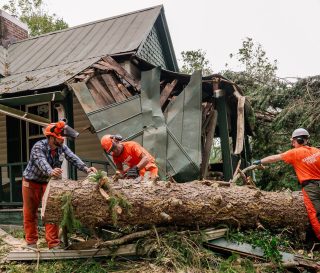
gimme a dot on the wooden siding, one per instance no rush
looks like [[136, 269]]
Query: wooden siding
[[87, 145]]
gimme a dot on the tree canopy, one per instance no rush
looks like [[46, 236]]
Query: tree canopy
[[193, 60], [35, 15], [280, 107]]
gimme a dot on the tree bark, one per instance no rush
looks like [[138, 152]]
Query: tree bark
[[198, 203]]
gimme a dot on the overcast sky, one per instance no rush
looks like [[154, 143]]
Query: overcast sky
[[288, 30]]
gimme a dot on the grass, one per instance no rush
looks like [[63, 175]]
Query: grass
[[176, 251], [270, 243], [235, 264], [70, 266]]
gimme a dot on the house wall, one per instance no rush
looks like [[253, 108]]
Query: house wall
[[87, 145]]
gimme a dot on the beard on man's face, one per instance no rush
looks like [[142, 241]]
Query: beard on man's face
[[57, 143]]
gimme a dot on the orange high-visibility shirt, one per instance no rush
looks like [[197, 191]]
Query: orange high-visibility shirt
[[305, 161], [131, 154]]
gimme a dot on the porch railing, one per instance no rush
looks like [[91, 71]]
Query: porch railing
[[11, 183], [11, 180]]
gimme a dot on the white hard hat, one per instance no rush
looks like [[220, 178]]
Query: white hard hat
[[300, 132]]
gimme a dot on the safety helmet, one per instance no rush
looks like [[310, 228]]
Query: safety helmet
[[107, 143], [55, 129], [300, 132]]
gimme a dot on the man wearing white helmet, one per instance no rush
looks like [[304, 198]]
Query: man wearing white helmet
[[306, 163]]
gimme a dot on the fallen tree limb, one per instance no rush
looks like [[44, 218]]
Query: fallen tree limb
[[208, 234], [129, 237], [240, 173]]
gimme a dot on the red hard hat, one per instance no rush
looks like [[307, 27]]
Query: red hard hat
[[107, 143], [55, 129]]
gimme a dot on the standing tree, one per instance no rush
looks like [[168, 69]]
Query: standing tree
[[267, 94], [195, 60], [35, 15]]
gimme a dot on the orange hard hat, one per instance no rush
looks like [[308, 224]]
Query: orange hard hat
[[55, 129], [107, 143]]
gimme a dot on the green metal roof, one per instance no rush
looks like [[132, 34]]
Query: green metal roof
[[44, 61]]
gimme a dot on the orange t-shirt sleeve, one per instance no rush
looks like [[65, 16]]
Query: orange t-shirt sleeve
[[136, 150], [288, 156]]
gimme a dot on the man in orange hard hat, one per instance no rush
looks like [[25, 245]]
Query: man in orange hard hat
[[129, 153], [306, 163], [46, 158]]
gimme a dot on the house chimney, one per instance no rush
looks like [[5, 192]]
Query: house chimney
[[11, 29]]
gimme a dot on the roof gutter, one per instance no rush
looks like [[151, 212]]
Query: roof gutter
[[36, 98], [23, 115]]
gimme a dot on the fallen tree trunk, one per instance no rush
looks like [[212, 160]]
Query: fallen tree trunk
[[198, 203]]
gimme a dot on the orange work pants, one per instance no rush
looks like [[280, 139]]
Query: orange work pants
[[152, 169], [311, 197], [32, 195]]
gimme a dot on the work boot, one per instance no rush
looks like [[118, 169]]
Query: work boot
[[57, 247]]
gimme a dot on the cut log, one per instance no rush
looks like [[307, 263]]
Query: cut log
[[199, 204]]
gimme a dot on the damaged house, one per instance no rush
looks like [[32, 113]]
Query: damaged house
[[118, 76]]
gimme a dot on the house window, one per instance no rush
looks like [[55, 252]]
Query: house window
[[34, 131]]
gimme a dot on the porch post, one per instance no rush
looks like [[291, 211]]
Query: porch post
[[68, 106], [224, 134]]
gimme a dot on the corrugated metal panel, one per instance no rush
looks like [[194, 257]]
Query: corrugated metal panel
[[155, 131], [43, 78], [177, 152], [183, 119], [114, 35]]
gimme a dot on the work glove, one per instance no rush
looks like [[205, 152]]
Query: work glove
[[133, 172], [256, 162]]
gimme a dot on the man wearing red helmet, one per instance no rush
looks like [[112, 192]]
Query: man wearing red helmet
[[129, 153], [46, 158], [306, 163]]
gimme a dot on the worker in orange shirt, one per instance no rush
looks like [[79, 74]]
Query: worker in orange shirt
[[129, 153], [306, 163]]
